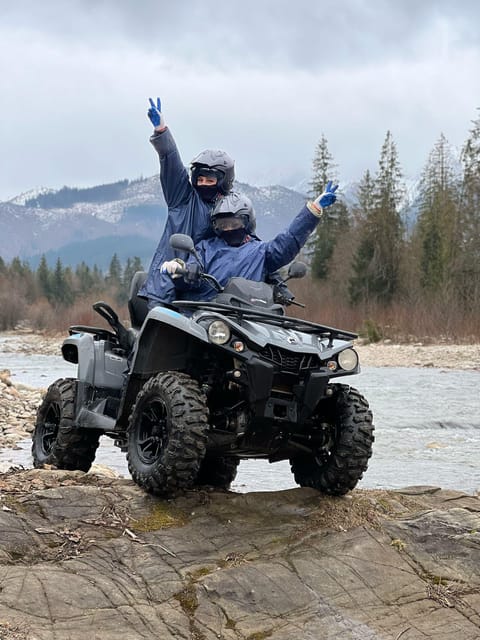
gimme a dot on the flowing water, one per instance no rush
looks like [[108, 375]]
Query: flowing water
[[427, 427]]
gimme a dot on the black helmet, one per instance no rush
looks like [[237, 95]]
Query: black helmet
[[219, 164], [234, 205]]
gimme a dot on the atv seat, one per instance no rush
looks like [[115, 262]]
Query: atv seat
[[137, 307]]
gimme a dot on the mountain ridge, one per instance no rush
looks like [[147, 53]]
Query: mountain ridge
[[137, 216]]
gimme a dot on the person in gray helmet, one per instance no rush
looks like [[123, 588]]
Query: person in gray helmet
[[190, 198], [236, 252]]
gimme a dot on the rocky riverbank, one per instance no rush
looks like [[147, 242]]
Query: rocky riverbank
[[85, 556], [18, 408]]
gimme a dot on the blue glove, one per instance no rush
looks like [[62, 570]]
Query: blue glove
[[328, 197], [155, 114]]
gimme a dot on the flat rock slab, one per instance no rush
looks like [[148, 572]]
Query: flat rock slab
[[86, 556]]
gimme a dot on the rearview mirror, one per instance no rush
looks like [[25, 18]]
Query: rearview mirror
[[182, 242], [297, 270]]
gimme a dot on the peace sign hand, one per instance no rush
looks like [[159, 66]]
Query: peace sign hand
[[155, 114]]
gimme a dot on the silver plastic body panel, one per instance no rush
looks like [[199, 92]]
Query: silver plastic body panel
[[97, 364]]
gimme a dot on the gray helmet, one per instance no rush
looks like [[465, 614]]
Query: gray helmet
[[220, 163], [234, 205]]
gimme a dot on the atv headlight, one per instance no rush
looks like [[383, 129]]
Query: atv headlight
[[348, 359], [219, 332]]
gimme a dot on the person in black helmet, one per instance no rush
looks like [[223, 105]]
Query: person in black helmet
[[236, 252], [190, 198], [212, 174]]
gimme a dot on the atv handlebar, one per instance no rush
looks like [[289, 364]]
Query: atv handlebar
[[193, 272]]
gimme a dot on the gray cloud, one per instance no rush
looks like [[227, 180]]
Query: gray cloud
[[258, 33], [261, 79]]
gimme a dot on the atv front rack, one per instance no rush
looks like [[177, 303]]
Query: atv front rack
[[286, 322]]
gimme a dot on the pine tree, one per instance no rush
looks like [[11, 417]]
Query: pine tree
[[363, 208], [115, 271], [437, 224], [61, 292], [131, 268], [323, 168], [376, 263], [18, 268], [69, 285], [22, 279], [97, 278], [467, 269], [44, 277], [336, 217], [84, 278]]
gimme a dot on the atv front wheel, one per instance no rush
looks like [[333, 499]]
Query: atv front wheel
[[217, 472], [336, 468], [56, 439], [167, 433]]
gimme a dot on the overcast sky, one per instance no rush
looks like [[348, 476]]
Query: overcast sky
[[261, 80]]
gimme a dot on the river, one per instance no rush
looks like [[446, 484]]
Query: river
[[427, 427]]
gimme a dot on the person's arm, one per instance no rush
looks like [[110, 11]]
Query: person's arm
[[287, 244], [174, 178]]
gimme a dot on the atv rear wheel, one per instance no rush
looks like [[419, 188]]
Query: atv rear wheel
[[167, 433], [217, 472], [336, 468], [56, 439]]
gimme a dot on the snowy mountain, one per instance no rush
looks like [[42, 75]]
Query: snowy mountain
[[130, 224]]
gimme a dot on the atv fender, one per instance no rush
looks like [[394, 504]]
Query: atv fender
[[165, 342]]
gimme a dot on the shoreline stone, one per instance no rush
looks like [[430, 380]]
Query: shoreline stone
[[82, 555], [18, 409]]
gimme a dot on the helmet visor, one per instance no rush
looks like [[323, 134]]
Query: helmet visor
[[228, 223], [205, 172]]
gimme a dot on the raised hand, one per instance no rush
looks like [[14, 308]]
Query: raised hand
[[155, 114], [328, 197]]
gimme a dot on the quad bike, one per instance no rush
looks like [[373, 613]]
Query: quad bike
[[191, 389]]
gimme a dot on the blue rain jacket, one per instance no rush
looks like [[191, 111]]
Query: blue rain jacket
[[252, 260], [187, 213]]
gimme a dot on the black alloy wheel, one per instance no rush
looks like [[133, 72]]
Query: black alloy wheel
[[56, 440], [167, 433], [338, 466]]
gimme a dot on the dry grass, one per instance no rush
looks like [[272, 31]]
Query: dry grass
[[327, 303], [400, 322]]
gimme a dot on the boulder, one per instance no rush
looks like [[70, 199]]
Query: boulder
[[88, 556]]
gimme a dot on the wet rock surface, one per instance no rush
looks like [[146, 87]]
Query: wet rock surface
[[86, 556]]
